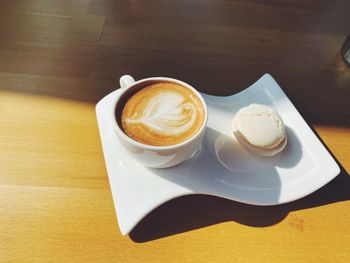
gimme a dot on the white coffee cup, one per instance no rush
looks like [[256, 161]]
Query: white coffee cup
[[157, 156]]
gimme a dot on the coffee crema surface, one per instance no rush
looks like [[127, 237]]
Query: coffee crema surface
[[162, 114]]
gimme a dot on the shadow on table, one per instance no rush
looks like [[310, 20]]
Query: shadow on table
[[197, 211]]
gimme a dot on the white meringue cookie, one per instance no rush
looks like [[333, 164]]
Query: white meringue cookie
[[260, 129]]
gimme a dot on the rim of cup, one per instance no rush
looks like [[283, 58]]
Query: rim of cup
[[144, 146]]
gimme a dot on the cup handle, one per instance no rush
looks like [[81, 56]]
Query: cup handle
[[126, 81]]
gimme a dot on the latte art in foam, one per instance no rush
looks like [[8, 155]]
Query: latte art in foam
[[166, 113], [162, 114]]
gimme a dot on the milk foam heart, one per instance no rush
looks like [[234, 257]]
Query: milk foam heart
[[162, 114]]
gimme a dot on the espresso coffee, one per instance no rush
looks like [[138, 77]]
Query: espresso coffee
[[162, 114]]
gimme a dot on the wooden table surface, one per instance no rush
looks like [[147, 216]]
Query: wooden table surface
[[58, 58]]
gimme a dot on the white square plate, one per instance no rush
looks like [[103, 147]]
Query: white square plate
[[221, 167]]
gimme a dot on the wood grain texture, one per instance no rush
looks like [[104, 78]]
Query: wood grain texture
[[58, 58], [220, 47], [56, 203]]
